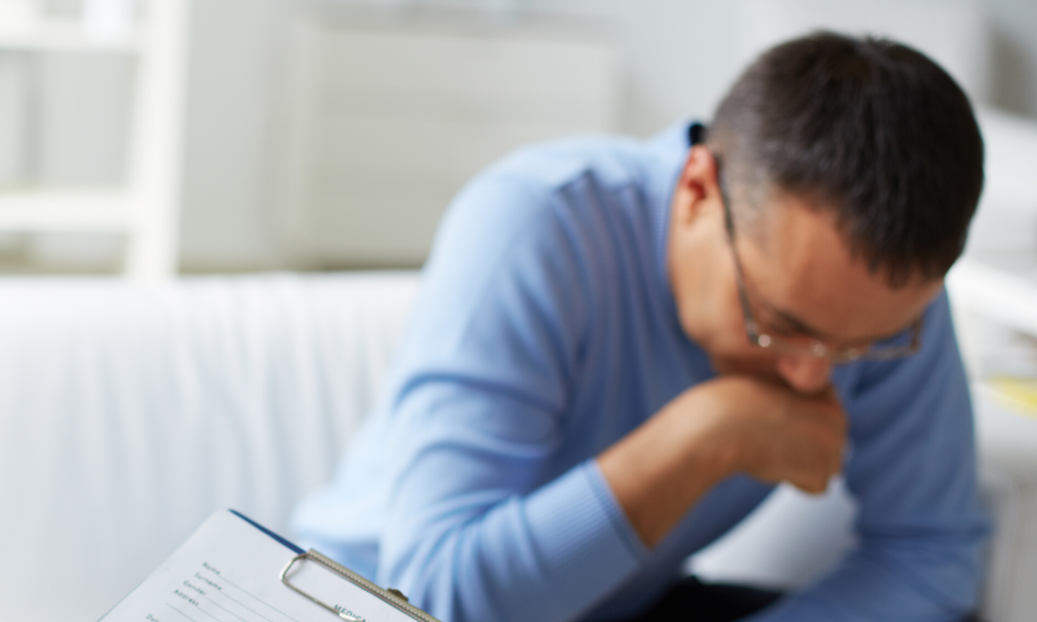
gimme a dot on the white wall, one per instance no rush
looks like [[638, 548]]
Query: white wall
[[1015, 79]]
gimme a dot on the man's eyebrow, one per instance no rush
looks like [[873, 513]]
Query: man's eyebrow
[[797, 324], [802, 327]]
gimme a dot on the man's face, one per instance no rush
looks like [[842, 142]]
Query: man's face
[[801, 282]]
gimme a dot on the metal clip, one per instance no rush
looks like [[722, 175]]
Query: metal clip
[[284, 579]]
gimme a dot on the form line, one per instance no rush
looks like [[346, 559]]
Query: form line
[[209, 614], [260, 600], [181, 612], [244, 606], [216, 604]]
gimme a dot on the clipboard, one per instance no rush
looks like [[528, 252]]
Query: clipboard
[[233, 569]]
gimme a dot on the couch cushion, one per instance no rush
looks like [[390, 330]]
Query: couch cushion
[[129, 413]]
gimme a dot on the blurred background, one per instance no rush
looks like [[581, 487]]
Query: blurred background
[[168, 136]]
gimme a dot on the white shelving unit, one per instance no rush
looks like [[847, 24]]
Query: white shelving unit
[[145, 206], [994, 295], [993, 287], [999, 286]]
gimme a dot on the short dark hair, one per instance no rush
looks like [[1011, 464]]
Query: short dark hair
[[867, 127]]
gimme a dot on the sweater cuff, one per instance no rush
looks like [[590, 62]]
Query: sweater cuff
[[580, 527]]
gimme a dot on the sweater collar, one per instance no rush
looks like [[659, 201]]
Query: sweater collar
[[666, 153]]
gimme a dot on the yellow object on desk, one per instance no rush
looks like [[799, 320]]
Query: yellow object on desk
[[1017, 394]]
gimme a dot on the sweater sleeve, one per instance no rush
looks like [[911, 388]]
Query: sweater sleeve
[[913, 473], [478, 525]]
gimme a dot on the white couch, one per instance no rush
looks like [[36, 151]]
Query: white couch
[[129, 413]]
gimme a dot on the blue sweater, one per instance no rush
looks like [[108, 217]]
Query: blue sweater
[[545, 332]]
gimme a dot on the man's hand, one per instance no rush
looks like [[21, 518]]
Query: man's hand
[[778, 435], [733, 424]]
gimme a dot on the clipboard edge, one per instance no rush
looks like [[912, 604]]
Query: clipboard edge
[[280, 539]]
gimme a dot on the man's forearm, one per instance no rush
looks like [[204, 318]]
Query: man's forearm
[[663, 468]]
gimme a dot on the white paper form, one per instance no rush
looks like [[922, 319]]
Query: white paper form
[[229, 571]]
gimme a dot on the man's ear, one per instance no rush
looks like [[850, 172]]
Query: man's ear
[[696, 186]]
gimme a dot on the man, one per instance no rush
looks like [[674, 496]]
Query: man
[[621, 347]]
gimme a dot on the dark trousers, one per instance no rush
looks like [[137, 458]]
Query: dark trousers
[[690, 600]]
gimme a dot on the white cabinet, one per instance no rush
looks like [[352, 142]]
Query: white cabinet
[[387, 119], [144, 206]]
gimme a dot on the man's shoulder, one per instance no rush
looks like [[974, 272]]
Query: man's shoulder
[[525, 191], [566, 198], [552, 165]]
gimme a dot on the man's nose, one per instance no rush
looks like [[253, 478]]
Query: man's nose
[[805, 374]]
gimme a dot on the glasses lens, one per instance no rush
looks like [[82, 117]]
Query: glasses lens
[[898, 346], [904, 343]]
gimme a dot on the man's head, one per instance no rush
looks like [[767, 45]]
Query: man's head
[[852, 168], [870, 129]]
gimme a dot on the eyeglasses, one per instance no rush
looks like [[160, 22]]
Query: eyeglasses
[[900, 346]]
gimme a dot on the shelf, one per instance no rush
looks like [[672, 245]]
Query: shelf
[[145, 208], [1000, 287], [68, 210], [67, 36]]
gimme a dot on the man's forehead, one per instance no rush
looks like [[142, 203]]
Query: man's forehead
[[799, 265]]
